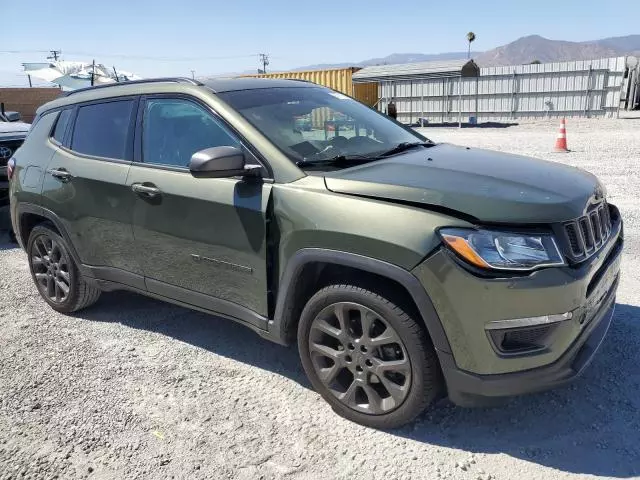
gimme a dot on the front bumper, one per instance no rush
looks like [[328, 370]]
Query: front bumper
[[466, 303], [467, 389]]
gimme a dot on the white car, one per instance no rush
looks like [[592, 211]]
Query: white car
[[12, 134]]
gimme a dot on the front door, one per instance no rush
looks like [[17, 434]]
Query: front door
[[201, 240]]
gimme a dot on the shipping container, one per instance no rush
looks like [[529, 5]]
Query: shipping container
[[340, 79]]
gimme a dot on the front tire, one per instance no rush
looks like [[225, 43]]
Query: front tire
[[367, 357], [55, 273]]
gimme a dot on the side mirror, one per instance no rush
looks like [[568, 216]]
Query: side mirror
[[12, 116], [221, 162]]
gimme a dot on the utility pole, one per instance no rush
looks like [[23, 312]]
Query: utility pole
[[264, 59], [193, 74], [54, 55]]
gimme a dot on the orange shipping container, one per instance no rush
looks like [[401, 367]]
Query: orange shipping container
[[339, 79]]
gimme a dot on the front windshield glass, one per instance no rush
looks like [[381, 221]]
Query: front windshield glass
[[314, 124]]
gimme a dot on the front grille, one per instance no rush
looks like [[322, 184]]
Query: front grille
[[12, 146], [587, 234], [572, 234]]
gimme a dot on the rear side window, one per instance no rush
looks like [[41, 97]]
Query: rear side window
[[61, 125], [103, 129]]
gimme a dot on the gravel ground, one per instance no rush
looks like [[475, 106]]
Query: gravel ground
[[134, 388]]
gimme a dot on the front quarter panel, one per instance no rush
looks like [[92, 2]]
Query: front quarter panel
[[310, 216]]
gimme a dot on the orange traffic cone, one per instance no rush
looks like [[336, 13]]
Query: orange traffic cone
[[561, 141]]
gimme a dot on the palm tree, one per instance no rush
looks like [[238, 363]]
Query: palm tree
[[470, 38]]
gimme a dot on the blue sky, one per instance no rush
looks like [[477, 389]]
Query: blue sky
[[164, 37]]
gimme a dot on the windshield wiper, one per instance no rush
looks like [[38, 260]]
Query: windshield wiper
[[336, 160], [401, 147], [361, 159]]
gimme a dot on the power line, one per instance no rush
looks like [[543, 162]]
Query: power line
[[132, 57], [24, 51], [163, 59]]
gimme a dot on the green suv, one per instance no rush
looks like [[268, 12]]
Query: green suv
[[403, 269]]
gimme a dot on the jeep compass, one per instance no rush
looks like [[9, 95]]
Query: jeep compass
[[404, 269]]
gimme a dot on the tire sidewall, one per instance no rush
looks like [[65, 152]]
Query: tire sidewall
[[70, 301], [414, 402]]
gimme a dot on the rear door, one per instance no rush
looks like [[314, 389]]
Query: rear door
[[85, 186], [201, 240]]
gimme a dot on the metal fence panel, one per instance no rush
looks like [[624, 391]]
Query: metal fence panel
[[590, 88]]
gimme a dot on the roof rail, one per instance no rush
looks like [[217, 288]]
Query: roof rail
[[137, 82]]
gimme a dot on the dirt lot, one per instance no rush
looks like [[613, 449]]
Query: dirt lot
[[133, 388]]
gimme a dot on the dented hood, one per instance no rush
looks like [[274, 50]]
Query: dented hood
[[489, 186]]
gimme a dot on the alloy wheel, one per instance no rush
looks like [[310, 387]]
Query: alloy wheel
[[50, 266], [360, 358]]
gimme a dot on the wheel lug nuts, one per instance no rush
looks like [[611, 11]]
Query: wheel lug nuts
[[363, 349], [347, 359], [351, 347], [368, 363]]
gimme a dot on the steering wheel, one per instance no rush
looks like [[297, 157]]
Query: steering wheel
[[338, 141]]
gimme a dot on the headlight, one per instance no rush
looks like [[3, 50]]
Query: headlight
[[501, 250]]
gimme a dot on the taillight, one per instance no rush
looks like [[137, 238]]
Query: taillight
[[11, 165]]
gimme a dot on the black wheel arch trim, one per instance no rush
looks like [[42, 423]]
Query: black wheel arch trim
[[278, 327], [30, 208]]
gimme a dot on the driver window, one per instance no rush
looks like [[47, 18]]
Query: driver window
[[174, 129]]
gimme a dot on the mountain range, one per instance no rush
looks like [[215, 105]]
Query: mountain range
[[523, 50]]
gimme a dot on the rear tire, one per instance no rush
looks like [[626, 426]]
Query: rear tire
[[56, 274], [367, 357]]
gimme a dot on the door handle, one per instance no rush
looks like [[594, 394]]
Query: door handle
[[59, 173], [146, 190]]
